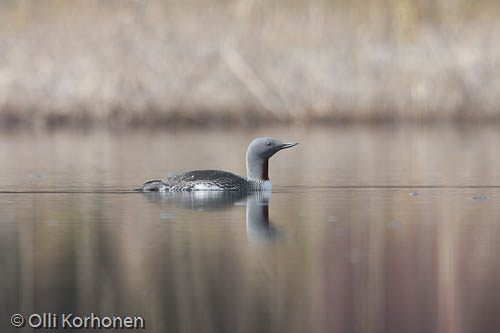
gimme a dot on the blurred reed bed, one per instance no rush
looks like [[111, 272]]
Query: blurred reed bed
[[223, 63]]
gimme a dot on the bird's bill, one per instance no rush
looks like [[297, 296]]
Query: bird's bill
[[288, 145]]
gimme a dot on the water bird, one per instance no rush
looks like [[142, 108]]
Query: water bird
[[258, 153]]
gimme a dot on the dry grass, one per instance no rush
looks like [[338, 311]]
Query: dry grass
[[155, 63]]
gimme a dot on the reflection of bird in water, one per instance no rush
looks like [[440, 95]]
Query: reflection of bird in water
[[258, 154], [257, 207], [258, 226], [199, 199]]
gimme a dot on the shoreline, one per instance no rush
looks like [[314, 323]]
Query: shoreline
[[228, 120]]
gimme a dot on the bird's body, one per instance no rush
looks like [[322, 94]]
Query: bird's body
[[203, 180], [258, 154]]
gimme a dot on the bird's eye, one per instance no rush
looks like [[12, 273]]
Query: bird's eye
[[269, 143]]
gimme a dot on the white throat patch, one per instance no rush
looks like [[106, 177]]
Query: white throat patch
[[267, 186]]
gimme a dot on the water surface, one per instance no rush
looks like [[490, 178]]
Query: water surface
[[381, 230]]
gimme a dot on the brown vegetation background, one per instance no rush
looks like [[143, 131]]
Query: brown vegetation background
[[190, 63]]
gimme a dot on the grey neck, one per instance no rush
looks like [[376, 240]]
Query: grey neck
[[257, 167]]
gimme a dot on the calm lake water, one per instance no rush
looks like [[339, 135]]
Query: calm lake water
[[367, 230]]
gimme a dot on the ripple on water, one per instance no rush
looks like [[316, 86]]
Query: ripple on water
[[165, 216], [480, 198]]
